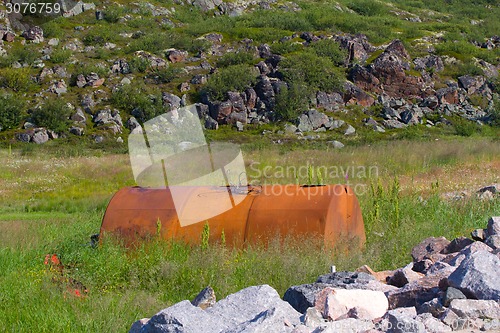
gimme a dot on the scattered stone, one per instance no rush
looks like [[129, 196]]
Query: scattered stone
[[431, 324], [451, 294], [336, 144], [205, 299], [303, 296], [76, 130], [79, 116], [493, 241], [34, 34], [471, 308], [479, 234], [457, 245], [403, 320], [403, 276], [335, 303], [350, 130], [494, 226], [313, 318], [429, 247], [434, 307], [40, 136]]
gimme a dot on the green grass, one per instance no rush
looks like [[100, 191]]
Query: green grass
[[53, 203]]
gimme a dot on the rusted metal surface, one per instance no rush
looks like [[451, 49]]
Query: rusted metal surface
[[327, 211]]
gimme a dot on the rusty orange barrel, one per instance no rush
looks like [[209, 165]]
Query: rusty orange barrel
[[262, 212]]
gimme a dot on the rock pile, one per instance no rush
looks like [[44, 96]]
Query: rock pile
[[449, 286]]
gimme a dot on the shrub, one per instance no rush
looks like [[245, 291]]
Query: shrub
[[231, 58], [231, 78], [53, 114], [317, 72], [166, 75], [464, 127], [60, 56], [469, 68], [11, 111], [52, 29], [292, 101], [137, 100], [17, 79], [368, 7], [113, 14], [98, 38], [24, 54], [330, 49], [286, 47], [139, 64]]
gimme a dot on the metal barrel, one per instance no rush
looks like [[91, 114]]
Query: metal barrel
[[262, 212]]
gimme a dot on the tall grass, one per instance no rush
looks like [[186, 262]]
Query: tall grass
[[52, 204]]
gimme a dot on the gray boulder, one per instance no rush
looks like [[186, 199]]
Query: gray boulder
[[304, 123], [184, 317], [493, 241], [40, 136], [303, 296], [477, 276], [403, 320], [432, 325], [350, 130], [250, 303], [472, 308], [205, 299]]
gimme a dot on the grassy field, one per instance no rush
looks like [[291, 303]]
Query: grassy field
[[53, 202]]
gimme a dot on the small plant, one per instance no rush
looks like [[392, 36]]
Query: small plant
[[60, 56], [310, 175], [291, 101], [165, 75], [231, 58], [223, 238], [158, 228], [17, 79], [319, 176], [12, 110], [53, 114], [330, 49], [205, 236], [139, 64], [297, 69], [232, 78]]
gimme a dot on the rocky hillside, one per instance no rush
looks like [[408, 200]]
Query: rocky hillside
[[346, 68], [448, 286]]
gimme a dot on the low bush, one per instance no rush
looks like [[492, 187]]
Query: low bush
[[231, 78], [308, 68], [235, 58], [60, 56], [143, 104], [330, 49], [165, 74], [286, 47], [139, 64], [12, 109], [23, 54], [53, 114], [17, 79], [368, 7], [292, 101], [464, 127]]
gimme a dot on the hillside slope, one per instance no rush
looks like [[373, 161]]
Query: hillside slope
[[371, 68]]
